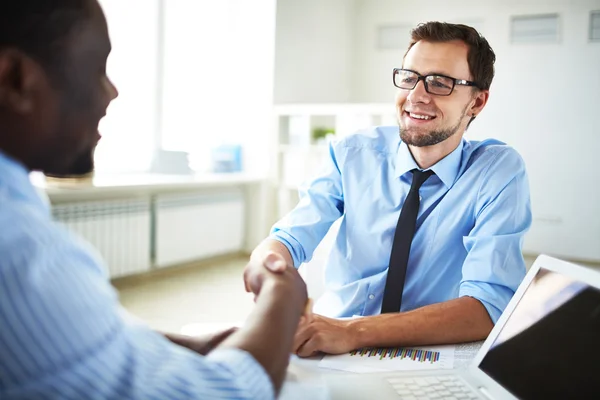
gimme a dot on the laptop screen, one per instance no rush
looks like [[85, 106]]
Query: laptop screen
[[549, 347]]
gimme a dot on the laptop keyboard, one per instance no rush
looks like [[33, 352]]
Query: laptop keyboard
[[443, 387]]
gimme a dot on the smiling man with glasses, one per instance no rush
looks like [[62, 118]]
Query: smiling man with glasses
[[429, 245]]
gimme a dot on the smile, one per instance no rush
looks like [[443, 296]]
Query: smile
[[420, 117]]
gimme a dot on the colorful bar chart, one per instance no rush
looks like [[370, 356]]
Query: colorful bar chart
[[379, 359], [398, 352]]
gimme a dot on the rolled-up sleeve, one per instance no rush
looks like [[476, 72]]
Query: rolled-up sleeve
[[494, 266], [321, 203]]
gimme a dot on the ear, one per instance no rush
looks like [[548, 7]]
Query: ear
[[19, 77], [479, 101]]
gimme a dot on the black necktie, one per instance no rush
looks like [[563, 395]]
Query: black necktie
[[405, 230]]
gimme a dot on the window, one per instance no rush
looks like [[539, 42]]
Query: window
[[128, 130], [191, 74], [218, 76]]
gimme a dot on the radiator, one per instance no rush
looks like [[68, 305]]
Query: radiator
[[192, 227], [119, 230]]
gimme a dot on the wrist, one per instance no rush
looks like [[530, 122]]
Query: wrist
[[281, 288], [358, 332]]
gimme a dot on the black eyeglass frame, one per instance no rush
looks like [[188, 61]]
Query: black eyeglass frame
[[423, 78]]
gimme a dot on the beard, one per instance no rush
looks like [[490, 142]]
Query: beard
[[417, 138], [82, 165]]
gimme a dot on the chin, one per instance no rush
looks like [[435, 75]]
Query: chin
[[81, 166]]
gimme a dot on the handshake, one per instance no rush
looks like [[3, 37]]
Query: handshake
[[268, 272], [281, 322]]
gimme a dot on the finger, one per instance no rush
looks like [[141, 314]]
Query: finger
[[253, 281], [245, 276], [308, 314], [303, 334], [309, 348], [275, 262]]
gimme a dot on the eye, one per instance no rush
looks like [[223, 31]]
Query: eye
[[440, 82]]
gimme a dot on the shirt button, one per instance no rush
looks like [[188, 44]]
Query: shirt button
[[371, 296]]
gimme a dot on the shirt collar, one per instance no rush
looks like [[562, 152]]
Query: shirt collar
[[446, 169], [15, 183]]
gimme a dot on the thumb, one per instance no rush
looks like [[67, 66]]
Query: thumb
[[275, 262]]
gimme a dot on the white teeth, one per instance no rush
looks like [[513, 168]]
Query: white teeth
[[418, 116]]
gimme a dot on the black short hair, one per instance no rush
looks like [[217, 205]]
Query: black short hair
[[40, 28]]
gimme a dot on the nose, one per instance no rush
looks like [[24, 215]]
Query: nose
[[114, 92], [419, 94], [111, 89]]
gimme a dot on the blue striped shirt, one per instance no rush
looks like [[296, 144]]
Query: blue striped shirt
[[64, 335], [474, 213]]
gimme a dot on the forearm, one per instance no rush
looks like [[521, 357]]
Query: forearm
[[269, 330], [460, 320], [271, 245]]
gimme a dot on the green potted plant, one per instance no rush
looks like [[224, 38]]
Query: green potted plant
[[320, 134]]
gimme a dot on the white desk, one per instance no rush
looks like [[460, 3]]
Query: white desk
[[315, 383], [306, 381]]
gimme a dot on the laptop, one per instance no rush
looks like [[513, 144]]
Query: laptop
[[546, 345]]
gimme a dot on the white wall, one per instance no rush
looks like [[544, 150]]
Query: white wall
[[314, 51], [544, 99]]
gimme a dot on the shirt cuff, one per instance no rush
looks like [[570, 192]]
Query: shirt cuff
[[287, 240], [492, 302], [249, 374]]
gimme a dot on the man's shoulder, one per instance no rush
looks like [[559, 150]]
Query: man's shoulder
[[29, 233], [382, 139], [493, 154]]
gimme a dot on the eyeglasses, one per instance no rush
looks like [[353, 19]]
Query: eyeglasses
[[440, 85]]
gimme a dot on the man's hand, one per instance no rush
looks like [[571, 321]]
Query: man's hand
[[322, 334], [259, 267], [200, 344], [281, 299]]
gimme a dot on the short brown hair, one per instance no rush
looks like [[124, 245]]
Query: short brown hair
[[480, 56]]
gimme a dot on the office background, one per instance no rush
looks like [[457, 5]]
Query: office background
[[194, 75]]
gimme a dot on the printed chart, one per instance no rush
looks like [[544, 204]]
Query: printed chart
[[378, 359]]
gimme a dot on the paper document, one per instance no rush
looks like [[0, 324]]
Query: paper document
[[465, 352], [377, 359]]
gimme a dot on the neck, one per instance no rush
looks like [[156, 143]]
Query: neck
[[427, 156]]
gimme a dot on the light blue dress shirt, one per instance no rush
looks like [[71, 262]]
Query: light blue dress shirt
[[474, 213], [63, 334]]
